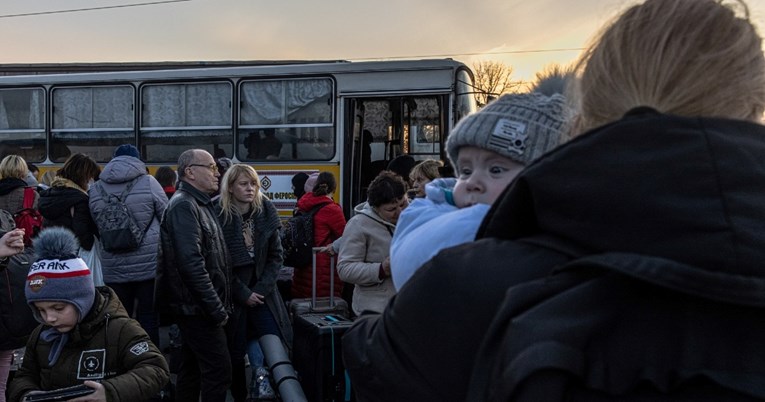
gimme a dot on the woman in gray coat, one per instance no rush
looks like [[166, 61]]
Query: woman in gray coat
[[131, 273]]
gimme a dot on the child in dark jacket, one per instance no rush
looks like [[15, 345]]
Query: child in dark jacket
[[86, 336]]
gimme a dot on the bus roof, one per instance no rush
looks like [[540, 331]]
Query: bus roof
[[104, 72]]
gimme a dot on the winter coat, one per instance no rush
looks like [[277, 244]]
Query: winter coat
[[258, 273], [12, 195], [146, 203], [66, 204], [328, 225], [128, 364], [674, 205], [426, 227], [366, 243], [16, 319], [193, 265]]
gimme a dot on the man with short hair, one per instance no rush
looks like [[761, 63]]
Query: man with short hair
[[194, 280]]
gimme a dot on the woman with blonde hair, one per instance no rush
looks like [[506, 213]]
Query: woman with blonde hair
[[251, 226], [625, 264], [422, 174], [13, 171]]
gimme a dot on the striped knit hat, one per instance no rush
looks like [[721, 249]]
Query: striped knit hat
[[58, 274]]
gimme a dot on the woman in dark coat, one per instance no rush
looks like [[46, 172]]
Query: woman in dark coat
[[251, 228], [65, 203]]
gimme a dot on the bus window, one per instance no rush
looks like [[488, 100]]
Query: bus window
[[91, 120], [177, 117], [286, 120], [22, 131], [422, 129]]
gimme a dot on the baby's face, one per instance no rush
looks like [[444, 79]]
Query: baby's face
[[482, 175]]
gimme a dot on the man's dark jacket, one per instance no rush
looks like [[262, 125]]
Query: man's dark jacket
[[193, 272], [671, 209]]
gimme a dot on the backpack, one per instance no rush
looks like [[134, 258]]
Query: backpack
[[16, 318], [119, 231], [297, 238], [28, 218]]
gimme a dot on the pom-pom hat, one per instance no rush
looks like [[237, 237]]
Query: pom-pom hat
[[58, 275], [521, 127]]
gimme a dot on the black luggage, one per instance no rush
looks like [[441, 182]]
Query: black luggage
[[317, 356], [318, 325], [320, 305]]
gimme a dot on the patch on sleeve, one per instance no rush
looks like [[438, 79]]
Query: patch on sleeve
[[140, 348]]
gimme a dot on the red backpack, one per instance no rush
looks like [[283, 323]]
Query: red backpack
[[28, 218]]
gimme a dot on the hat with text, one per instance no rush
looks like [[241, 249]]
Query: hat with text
[[521, 127], [58, 274]]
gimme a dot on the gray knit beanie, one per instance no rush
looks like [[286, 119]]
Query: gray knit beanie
[[521, 127], [59, 274]]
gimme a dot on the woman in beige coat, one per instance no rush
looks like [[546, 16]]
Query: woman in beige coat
[[364, 254]]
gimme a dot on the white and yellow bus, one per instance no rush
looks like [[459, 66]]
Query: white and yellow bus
[[349, 118]]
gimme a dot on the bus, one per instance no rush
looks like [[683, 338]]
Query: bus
[[349, 118]]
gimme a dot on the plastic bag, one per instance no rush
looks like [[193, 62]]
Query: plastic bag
[[92, 259]]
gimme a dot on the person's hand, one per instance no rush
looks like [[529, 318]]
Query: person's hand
[[327, 250], [98, 396], [255, 299], [386, 266], [12, 243], [224, 322]]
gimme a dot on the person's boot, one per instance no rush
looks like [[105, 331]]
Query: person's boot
[[263, 383]]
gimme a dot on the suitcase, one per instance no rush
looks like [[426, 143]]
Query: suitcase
[[317, 357], [320, 305]]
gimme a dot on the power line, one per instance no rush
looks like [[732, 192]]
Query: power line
[[76, 10], [472, 54]]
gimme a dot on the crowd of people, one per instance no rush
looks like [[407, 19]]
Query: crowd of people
[[601, 242]]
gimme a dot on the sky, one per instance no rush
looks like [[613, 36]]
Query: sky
[[527, 35]]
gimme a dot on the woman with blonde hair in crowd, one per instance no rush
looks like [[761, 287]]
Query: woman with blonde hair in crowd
[[13, 171], [251, 226], [422, 174], [625, 264]]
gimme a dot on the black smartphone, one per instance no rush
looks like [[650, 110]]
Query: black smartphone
[[61, 394]]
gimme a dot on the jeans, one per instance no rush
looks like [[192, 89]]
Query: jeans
[[249, 324], [143, 293], [206, 364]]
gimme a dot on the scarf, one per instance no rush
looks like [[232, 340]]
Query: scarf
[[58, 340]]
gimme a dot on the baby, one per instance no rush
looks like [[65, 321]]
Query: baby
[[488, 148]]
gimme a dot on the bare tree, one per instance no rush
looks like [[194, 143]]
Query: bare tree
[[492, 79]]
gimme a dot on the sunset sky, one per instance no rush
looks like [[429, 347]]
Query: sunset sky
[[526, 35]]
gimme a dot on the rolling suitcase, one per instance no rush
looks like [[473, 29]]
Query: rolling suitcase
[[318, 325], [317, 356], [320, 305]]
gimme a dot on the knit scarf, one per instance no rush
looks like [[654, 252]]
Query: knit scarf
[[58, 340]]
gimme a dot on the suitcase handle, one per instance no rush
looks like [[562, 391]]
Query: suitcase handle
[[314, 252]]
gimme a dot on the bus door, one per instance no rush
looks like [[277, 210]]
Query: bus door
[[382, 128]]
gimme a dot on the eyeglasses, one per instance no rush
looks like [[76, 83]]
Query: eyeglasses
[[213, 167]]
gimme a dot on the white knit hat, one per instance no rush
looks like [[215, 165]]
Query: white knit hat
[[521, 127]]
